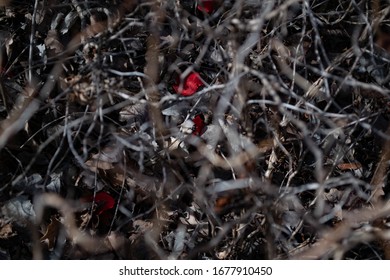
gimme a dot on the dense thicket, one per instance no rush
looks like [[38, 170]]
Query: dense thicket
[[194, 129]]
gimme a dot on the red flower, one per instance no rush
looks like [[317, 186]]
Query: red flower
[[199, 125], [190, 85], [103, 200], [206, 6]]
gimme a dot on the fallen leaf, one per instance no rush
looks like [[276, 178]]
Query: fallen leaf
[[221, 203], [69, 21], [211, 135], [51, 233], [88, 180], [19, 209], [266, 145], [52, 43], [6, 231], [85, 218], [104, 160], [349, 166], [94, 164], [136, 112]]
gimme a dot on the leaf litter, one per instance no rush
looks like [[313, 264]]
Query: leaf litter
[[194, 130]]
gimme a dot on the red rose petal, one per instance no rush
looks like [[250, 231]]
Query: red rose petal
[[199, 124], [103, 200], [191, 84], [206, 6]]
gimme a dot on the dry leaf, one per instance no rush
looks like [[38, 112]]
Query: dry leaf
[[94, 165], [85, 219], [52, 42], [39, 16], [19, 209], [133, 113], [106, 158], [88, 180], [265, 145], [349, 166], [70, 19], [6, 231], [51, 233]]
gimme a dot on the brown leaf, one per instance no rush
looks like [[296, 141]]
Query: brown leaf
[[52, 42], [349, 166], [6, 231], [94, 164], [265, 145], [51, 233], [85, 219]]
